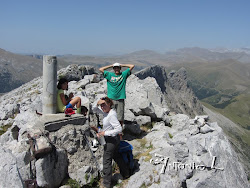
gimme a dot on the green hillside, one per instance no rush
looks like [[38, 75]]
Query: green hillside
[[224, 85], [239, 110]]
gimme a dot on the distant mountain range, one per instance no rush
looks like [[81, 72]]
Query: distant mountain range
[[190, 55], [182, 55], [205, 55], [17, 69], [223, 50]]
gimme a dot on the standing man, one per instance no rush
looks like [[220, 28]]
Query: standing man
[[116, 82]]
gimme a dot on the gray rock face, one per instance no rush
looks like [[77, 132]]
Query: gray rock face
[[201, 160], [229, 127], [179, 96], [143, 120], [23, 99], [9, 170], [72, 139], [76, 72], [52, 169], [157, 72], [84, 174], [144, 97]]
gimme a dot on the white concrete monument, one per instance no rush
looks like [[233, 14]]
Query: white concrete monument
[[49, 84]]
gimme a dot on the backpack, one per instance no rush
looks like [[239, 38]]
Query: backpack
[[125, 149]]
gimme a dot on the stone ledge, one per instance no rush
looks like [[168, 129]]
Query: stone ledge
[[53, 122]]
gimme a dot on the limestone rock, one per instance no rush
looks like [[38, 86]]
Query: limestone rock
[[143, 95], [160, 111], [193, 129], [206, 129], [146, 170], [205, 117], [52, 169], [143, 120], [75, 72], [179, 122], [181, 151], [179, 96], [228, 126], [84, 175], [9, 170], [213, 157], [129, 116], [81, 165]]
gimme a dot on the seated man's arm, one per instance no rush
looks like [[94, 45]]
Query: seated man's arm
[[64, 101], [71, 95]]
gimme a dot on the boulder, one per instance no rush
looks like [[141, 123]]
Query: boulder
[[129, 116], [75, 72], [146, 170], [143, 120], [81, 166], [9, 170], [52, 169], [84, 175], [206, 129], [143, 96], [179, 122]]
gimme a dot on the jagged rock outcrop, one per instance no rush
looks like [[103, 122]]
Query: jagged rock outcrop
[[81, 165], [144, 97], [234, 134], [76, 72], [179, 96], [9, 174], [173, 135], [18, 108], [181, 157], [52, 169]]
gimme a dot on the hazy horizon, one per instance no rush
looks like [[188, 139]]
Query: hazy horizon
[[120, 54], [119, 27]]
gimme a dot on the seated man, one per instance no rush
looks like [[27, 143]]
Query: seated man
[[70, 102]]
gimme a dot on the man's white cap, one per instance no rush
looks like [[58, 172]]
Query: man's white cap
[[116, 65]]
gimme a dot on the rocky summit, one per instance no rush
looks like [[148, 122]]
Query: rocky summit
[[175, 143]]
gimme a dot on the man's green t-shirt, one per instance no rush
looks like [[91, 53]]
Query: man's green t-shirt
[[116, 84]]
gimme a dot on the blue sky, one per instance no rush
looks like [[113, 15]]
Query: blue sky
[[95, 27]]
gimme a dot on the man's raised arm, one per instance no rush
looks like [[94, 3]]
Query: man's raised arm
[[102, 69], [130, 66]]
